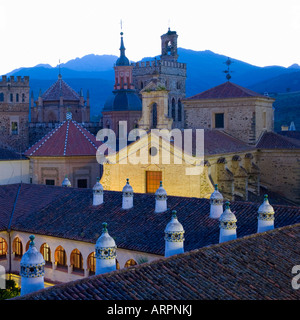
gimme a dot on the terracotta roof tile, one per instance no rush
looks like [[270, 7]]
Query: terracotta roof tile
[[272, 140], [224, 91], [69, 139], [60, 89], [256, 267], [69, 213]]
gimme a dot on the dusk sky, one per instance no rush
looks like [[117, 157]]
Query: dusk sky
[[260, 32]]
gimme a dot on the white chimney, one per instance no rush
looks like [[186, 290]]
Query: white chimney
[[227, 225], [66, 182], [97, 193], [32, 269], [127, 198], [160, 199], [105, 252], [174, 236], [265, 217], [216, 204]]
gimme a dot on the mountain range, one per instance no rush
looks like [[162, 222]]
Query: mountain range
[[205, 69]]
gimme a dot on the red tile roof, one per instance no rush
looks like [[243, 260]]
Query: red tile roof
[[257, 267], [224, 91], [69, 213], [69, 139], [60, 89], [272, 140]]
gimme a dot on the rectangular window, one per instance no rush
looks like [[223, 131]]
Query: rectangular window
[[50, 182], [153, 179], [82, 183], [17, 97], [264, 119], [11, 97], [219, 120], [14, 127]]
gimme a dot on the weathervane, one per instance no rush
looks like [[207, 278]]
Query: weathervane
[[228, 62]]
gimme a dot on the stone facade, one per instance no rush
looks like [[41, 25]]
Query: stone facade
[[53, 105], [244, 118], [280, 171], [42, 170], [171, 73], [14, 112]]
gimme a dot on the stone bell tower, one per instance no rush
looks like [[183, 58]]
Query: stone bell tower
[[169, 46]]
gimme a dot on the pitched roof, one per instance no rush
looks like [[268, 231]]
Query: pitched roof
[[257, 267], [60, 89], [6, 154], [69, 213], [272, 140], [226, 90], [212, 145], [69, 139]]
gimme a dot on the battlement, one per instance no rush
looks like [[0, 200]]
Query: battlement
[[158, 63], [14, 81]]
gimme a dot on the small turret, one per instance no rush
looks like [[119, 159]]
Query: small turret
[[160, 199], [174, 236], [127, 198], [97, 193], [227, 225], [216, 204], [265, 217], [66, 182], [32, 269], [106, 252]]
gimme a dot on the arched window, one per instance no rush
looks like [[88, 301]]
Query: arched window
[[76, 260], [179, 110], [46, 252], [142, 85], [117, 264], [91, 262], [60, 257], [107, 124], [173, 109], [3, 247], [17, 247], [130, 263], [154, 115]]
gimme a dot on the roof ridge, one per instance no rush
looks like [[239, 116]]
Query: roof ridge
[[66, 138], [82, 129], [46, 137]]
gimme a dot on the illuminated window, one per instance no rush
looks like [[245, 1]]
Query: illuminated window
[[17, 247], [91, 262], [130, 263], [153, 179], [60, 257], [46, 252], [3, 247], [76, 260]]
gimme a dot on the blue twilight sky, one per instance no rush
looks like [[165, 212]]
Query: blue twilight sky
[[260, 32]]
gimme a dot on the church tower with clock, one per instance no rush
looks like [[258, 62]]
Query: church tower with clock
[[170, 73]]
